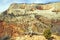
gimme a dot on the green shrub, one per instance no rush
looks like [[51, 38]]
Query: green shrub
[[47, 33]]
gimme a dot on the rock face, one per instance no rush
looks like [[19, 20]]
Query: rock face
[[16, 9], [30, 18], [44, 7]]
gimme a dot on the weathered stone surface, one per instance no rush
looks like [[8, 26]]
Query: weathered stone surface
[[44, 7], [26, 19]]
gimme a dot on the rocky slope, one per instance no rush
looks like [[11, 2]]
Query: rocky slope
[[30, 18]]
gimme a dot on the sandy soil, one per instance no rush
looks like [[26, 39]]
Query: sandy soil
[[35, 37]]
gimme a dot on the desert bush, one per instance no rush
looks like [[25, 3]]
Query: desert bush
[[47, 33]]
